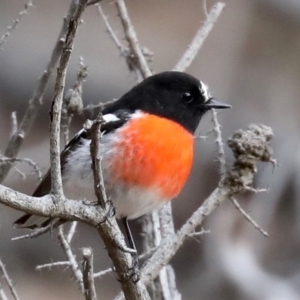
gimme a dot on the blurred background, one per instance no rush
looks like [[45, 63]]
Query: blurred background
[[251, 60]]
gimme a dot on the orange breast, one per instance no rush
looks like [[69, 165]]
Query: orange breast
[[154, 152]]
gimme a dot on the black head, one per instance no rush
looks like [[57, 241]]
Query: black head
[[174, 95]]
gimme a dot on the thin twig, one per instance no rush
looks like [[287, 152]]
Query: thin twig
[[37, 99], [247, 217], [54, 264], [56, 180], [88, 274], [2, 294], [167, 229], [124, 51], [132, 40], [199, 38], [205, 8], [199, 233], [90, 109], [102, 273], [110, 270], [8, 281], [30, 162], [72, 231], [92, 2], [71, 258], [151, 239], [72, 102], [175, 295], [14, 123], [96, 161], [11, 27], [35, 233], [219, 141]]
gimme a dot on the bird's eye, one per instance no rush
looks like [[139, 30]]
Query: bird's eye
[[187, 97]]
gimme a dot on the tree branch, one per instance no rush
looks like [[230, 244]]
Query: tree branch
[[132, 40], [36, 101], [199, 38], [71, 257], [10, 28], [56, 181], [88, 274], [8, 281]]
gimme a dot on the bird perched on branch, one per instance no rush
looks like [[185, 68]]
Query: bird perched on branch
[[146, 148]]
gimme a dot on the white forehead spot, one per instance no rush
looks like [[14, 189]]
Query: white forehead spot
[[204, 91]]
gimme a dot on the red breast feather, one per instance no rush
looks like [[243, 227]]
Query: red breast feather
[[153, 152]]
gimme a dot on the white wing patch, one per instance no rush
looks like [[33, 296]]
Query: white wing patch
[[110, 118], [204, 91]]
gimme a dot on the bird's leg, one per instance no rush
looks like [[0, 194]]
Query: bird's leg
[[135, 274], [110, 211]]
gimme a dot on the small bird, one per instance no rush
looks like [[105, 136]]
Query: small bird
[[146, 148]]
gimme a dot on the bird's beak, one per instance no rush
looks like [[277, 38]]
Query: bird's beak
[[212, 103]]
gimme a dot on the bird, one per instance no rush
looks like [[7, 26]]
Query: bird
[[146, 148]]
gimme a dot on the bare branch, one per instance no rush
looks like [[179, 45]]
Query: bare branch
[[123, 50], [14, 123], [96, 161], [8, 281], [198, 233], [26, 160], [56, 181], [36, 101], [88, 274], [247, 217], [92, 2], [11, 27], [102, 273], [72, 102], [2, 294], [199, 38], [220, 145], [44, 206], [91, 108], [71, 258], [175, 295], [53, 264], [35, 233], [132, 40], [110, 270], [72, 231]]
